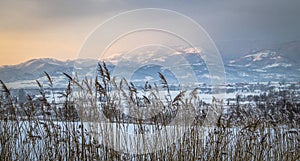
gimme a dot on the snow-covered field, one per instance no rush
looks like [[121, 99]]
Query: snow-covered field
[[32, 139]]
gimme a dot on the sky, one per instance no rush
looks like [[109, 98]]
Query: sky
[[58, 28]]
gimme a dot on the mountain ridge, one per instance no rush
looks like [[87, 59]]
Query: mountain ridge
[[261, 65]]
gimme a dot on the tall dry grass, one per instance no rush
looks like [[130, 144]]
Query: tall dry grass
[[41, 130]]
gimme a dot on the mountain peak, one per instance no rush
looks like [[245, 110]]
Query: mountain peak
[[262, 54], [191, 50], [35, 62], [264, 65]]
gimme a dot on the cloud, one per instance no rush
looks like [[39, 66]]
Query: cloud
[[231, 19], [38, 14], [234, 21]]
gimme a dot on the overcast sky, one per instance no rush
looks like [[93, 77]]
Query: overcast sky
[[57, 28]]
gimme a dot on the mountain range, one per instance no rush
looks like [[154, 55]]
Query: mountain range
[[256, 66], [263, 65]]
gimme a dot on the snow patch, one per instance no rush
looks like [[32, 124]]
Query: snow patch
[[260, 55], [277, 65]]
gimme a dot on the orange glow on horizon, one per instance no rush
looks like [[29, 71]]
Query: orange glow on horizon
[[20, 47]]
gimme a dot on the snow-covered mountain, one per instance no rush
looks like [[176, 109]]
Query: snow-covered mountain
[[257, 66], [33, 69], [25, 74], [263, 65]]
